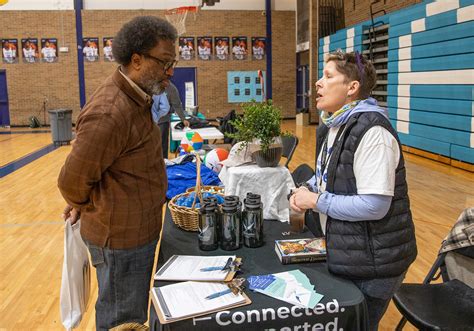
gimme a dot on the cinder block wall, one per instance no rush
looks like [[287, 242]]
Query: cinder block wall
[[29, 85]]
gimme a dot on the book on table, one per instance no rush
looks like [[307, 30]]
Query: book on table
[[198, 268], [185, 300], [301, 250]]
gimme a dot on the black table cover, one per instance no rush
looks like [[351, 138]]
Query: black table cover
[[342, 308]]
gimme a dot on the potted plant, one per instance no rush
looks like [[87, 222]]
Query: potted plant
[[260, 125]]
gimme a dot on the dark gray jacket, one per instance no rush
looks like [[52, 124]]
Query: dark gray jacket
[[175, 104]]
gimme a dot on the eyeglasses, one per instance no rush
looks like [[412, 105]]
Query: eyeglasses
[[167, 65]]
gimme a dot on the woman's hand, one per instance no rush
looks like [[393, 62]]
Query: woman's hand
[[303, 199]]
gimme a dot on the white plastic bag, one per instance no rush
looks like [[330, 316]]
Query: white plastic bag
[[76, 279]]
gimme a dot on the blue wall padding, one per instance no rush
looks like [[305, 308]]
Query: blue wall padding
[[448, 121], [446, 135], [458, 107], [430, 145], [409, 14], [440, 115], [458, 31], [462, 153], [443, 48], [465, 3], [451, 62]]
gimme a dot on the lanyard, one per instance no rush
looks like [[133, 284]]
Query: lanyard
[[324, 153]]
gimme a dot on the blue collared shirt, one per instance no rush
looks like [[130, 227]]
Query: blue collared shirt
[[160, 107]]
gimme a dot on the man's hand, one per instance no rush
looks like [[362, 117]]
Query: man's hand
[[71, 213], [186, 123]]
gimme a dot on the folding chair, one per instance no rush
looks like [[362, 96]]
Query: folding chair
[[302, 174], [226, 127], [289, 147], [443, 306]]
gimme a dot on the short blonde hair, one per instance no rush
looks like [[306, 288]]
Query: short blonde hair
[[355, 67]]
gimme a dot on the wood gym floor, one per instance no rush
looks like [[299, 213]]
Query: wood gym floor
[[31, 229]]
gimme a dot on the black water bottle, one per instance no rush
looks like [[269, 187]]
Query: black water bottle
[[208, 219], [230, 226], [235, 198], [213, 200], [252, 221]]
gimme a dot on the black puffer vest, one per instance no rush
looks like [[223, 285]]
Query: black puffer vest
[[367, 249]]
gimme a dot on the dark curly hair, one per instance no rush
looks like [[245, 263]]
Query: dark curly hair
[[355, 67], [139, 36]]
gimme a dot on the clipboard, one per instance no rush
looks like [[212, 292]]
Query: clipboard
[[162, 319], [228, 278]]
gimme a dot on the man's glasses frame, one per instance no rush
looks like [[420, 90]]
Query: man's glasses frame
[[167, 65]]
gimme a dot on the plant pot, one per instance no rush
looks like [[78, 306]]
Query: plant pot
[[270, 158]]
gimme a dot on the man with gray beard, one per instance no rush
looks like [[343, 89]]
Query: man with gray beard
[[114, 179]]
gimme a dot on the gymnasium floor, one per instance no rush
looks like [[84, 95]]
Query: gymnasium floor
[[31, 230]]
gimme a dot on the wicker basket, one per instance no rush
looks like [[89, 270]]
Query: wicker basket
[[188, 218], [208, 188]]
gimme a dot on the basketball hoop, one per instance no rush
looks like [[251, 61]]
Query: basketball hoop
[[177, 17]]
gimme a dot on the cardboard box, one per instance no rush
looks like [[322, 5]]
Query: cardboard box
[[302, 119]]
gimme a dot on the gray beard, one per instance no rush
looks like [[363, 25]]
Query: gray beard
[[150, 86]]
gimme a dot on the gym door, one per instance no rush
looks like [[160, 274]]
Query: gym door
[[4, 111], [180, 77]]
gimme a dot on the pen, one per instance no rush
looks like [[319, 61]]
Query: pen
[[218, 294], [227, 265]]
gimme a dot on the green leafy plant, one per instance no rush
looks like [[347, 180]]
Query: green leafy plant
[[261, 121]]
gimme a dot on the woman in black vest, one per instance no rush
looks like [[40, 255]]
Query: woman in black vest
[[360, 190]]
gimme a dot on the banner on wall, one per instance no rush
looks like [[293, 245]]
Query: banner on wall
[[204, 48], [49, 47], [108, 55], [186, 48], [258, 48], [10, 50], [189, 95], [90, 49], [222, 47], [239, 48], [30, 50]]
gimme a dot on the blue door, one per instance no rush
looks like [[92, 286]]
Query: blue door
[[4, 111], [181, 76]]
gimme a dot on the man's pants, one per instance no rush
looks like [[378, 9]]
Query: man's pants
[[124, 278], [165, 132], [377, 294]]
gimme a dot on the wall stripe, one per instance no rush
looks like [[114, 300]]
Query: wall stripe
[[439, 7], [436, 77], [465, 14], [418, 25], [403, 127], [405, 41]]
